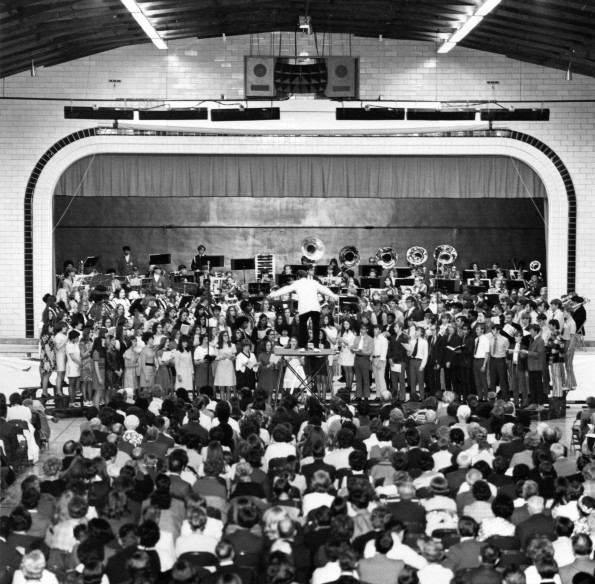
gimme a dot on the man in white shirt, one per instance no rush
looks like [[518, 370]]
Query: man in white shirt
[[308, 306], [481, 356], [379, 359], [417, 362]]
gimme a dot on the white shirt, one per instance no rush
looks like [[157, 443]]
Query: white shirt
[[399, 551], [422, 351], [307, 292], [483, 347], [380, 347]]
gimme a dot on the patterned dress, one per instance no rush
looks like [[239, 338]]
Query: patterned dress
[[86, 361], [48, 354]]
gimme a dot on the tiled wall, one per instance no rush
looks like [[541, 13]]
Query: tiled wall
[[196, 70]]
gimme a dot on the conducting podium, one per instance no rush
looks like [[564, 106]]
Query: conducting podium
[[316, 365]]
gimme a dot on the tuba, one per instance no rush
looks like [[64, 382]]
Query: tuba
[[349, 256], [535, 266], [386, 257], [312, 248], [445, 254], [417, 255]]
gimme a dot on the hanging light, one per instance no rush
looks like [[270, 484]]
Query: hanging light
[[33, 70], [569, 72]]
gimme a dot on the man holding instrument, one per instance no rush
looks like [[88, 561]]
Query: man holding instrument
[[308, 306]]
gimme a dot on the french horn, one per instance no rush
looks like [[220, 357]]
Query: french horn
[[535, 266], [386, 257], [417, 255], [445, 254], [349, 256], [312, 248]]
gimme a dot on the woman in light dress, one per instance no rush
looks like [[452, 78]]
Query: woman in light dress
[[130, 366], [346, 357], [73, 363], [183, 364], [290, 379], [225, 376]]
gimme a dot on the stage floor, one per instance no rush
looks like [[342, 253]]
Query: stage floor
[[17, 373]]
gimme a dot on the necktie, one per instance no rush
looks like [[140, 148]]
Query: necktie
[[414, 354], [476, 345]]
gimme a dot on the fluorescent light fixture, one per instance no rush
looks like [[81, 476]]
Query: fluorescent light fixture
[[468, 25], [144, 23], [487, 7], [446, 47]]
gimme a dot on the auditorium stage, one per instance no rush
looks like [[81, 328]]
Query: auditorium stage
[[16, 373]]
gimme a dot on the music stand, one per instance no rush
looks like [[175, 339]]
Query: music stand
[[491, 274], [259, 288], [403, 272], [321, 270], [404, 282], [185, 301], [156, 259], [514, 284], [348, 302], [368, 283], [476, 289], [243, 264], [447, 286]]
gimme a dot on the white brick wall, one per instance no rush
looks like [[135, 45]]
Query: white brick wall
[[196, 70]]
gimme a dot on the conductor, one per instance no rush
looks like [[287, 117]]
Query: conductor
[[308, 306]]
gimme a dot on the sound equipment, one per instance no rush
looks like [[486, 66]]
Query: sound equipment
[[259, 77], [342, 77], [264, 264]]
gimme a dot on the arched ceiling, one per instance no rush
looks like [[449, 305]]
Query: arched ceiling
[[551, 33]]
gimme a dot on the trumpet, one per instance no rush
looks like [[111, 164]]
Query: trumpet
[[312, 248], [386, 257], [349, 256]]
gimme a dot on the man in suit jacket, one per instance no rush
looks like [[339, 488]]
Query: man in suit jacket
[[379, 569], [412, 311], [126, 263], [407, 509], [193, 426], [509, 449], [536, 365], [308, 470], [486, 572], [151, 444], [8, 435], [116, 569], [537, 523], [582, 546], [465, 554]]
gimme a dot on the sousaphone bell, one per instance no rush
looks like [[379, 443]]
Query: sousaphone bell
[[386, 257], [349, 256], [312, 248], [417, 255], [445, 254], [535, 266]]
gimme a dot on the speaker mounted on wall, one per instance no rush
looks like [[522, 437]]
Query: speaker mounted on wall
[[259, 77], [343, 77]]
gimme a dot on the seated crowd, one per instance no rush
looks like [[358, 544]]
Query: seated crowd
[[164, 488]]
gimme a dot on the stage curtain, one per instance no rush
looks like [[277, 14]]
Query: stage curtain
[[148, 175]]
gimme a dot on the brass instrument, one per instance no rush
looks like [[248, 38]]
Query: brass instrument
[[349, 256], [535, 266], [312, 248], [386, 257], [417, 255], [445, 254]]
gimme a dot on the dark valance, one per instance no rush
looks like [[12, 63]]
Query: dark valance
[[150, 175]]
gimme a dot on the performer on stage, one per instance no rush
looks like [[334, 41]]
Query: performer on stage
[[308, 306], [197, 261]]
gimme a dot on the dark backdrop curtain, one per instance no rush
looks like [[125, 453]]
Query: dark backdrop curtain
[[148, 175]]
